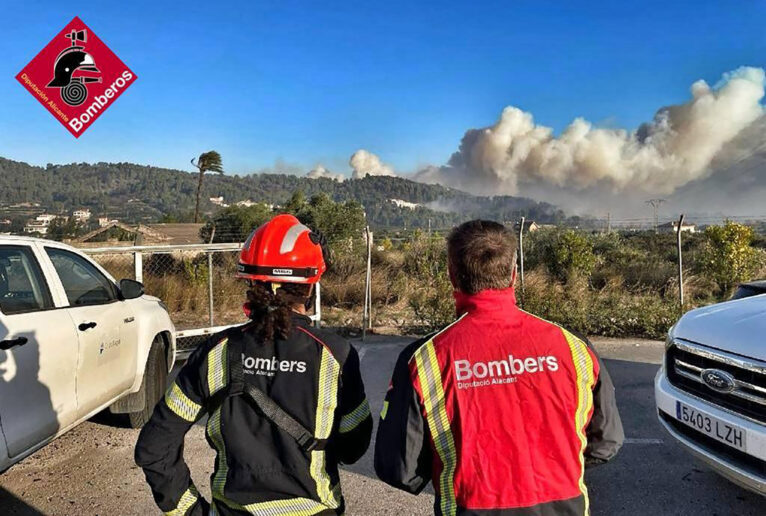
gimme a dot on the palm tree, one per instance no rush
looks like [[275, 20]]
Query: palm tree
[[207, 162]]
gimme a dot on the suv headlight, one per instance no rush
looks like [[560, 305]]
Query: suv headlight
[[669, 338]]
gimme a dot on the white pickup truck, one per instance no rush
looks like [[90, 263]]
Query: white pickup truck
[[72, 343]]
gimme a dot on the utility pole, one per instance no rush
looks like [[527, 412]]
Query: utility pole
[[655, 204], [608, 222]]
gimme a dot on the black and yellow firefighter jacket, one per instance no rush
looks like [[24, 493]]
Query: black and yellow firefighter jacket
[[261, 468]]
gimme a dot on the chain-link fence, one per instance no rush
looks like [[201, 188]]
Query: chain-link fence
[[610, 282], [197, 283]]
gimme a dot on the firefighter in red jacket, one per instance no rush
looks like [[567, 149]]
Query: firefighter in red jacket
[[501, 410]]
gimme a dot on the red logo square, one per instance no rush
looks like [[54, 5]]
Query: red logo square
[[76, 77]]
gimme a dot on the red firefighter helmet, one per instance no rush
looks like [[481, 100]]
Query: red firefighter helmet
[[284, 251]]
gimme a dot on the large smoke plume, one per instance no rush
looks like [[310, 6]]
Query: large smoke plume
[[675, 148]]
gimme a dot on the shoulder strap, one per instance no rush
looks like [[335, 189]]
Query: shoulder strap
[[263, 403], [274, 413]]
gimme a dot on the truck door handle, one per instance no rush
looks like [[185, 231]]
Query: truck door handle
[[11, 343], [86, 326]]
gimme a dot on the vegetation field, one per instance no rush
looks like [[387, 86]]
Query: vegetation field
[[616, 284]]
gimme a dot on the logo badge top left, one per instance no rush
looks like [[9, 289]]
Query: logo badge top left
[[76, 77]]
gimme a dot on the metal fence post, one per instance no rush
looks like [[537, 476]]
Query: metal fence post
[[369, 280], [210, 285], [521, 259], [138, 266], [680, 264], [367, 288], [318, 306]]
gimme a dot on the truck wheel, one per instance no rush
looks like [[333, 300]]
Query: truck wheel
[[154, 383]]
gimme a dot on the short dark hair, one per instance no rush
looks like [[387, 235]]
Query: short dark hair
[[482, 255]]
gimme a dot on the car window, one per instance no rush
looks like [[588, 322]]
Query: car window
[[743, 292], [83, 283], [22, 286], [747, 291]]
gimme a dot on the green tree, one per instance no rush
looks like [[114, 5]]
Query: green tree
[[728, 256], [17, 225], [569, 254], [207, 162], [425, 265], [337, 221], [62, 228], [176, 217], [235, 223], [296, 203]]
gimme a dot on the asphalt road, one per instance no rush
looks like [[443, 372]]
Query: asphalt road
[[90, 470]]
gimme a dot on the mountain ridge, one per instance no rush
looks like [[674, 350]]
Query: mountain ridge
[[135, 192]]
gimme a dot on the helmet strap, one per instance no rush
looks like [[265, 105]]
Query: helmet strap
[[312, 296]]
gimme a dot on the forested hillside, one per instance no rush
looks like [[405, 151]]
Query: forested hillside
[[135, 192]]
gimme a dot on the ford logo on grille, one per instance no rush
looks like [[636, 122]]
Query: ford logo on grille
[[719, 381]]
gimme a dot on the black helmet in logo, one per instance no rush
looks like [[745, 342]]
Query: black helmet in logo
[[719, 381], [74, 59]]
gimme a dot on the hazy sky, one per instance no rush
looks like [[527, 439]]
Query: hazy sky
[[312, 82]]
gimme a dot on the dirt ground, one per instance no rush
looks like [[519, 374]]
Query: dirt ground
[[90, 471]]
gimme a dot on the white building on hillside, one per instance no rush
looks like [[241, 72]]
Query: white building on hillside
[[81, 215], [34, 226], [45, 218], [404, 204], [40, 223], [672, 227]]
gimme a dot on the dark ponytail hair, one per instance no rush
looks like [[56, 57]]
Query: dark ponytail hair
[[270, 309]]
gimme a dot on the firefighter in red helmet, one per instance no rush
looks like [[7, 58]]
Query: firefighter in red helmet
[[279, 417]]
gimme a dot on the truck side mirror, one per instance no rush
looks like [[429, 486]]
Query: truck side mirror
[[131, 289]]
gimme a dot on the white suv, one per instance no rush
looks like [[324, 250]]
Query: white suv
[[711, 389], [73, 342]]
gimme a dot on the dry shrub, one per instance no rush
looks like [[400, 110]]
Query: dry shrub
[[760, 264], [343, 283], [182, 284], [610, 311], [429, 291]]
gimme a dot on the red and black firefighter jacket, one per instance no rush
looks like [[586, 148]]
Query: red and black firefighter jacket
[[260, 469], [501, 410]]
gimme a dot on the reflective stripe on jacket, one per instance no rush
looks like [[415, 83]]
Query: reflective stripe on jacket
[[260, 469], [501, 410]]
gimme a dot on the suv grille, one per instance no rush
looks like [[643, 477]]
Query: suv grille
[[686, 361]]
